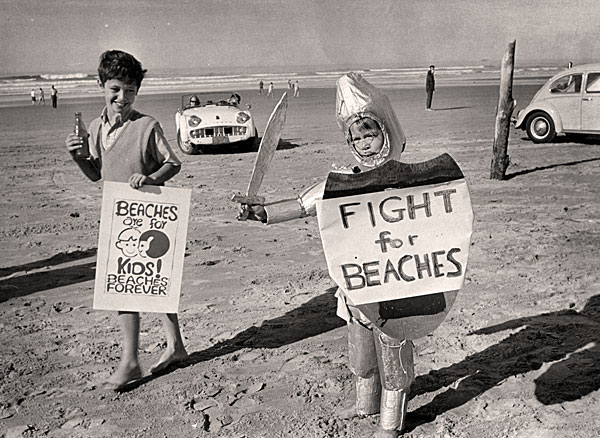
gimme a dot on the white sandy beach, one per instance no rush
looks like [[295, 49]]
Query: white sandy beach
[[518, 355]]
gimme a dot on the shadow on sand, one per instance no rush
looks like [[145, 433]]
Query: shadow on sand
[[552, 166], [239, 148], [450, 108], [19, 286], [312, 318], [567, 338]]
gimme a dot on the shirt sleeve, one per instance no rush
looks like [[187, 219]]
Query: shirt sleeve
[[161, 150]]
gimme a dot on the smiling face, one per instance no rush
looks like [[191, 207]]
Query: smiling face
[[366, 137], [119, 97], [127, 242]]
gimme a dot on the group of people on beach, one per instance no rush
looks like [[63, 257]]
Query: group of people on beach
[[130, 147], [293, 86], [38, 96]]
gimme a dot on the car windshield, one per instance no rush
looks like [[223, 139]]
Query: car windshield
[[228, 99]]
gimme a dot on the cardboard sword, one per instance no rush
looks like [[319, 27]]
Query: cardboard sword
[[266, 151]]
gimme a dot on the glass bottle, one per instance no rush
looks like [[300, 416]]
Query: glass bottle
[[80, 130]]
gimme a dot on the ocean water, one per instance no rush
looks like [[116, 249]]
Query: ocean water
[[18, 87]]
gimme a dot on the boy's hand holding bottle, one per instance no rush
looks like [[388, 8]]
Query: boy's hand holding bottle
[[77, 142]]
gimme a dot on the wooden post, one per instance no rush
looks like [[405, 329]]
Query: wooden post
[[506, 105]]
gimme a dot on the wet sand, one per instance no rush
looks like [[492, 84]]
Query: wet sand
[[516, 357]]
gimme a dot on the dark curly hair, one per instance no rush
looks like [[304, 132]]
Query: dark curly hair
[[116, 64]]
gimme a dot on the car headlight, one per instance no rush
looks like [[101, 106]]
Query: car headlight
[[194, 121], [242, 117]]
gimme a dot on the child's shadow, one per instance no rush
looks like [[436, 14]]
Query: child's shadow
[[316, 316], [566, 337]]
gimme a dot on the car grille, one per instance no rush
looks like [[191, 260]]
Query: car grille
[[218, 131]]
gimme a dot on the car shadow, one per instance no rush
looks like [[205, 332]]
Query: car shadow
[[452, 108], [239, 149], [551, 166], [591, 139], [316, 316], [567, 339]]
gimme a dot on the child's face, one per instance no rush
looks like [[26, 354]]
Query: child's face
[[119, 96], [366, 141]]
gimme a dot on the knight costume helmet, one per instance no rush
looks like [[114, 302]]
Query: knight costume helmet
[[357, 99]]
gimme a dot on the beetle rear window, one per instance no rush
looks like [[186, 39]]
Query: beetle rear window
[[593, 83]]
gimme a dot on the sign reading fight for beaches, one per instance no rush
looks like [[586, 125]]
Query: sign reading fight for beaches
[[141, 248], [398, 243]]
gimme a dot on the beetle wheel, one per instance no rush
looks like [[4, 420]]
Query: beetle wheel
[[540, 127]]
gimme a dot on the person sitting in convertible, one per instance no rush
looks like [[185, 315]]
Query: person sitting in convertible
[[235, 99]]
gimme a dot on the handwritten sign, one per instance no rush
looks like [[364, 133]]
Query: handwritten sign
[[397, 243], [141, 248]]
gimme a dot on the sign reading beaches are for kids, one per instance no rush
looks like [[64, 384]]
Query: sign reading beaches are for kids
[[398, 243], [141, 248]]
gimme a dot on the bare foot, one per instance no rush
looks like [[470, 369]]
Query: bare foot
[[169, 358], [124, 375], [383, 433], [347, 412]]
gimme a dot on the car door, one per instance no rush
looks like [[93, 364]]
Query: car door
[[565, 96], [590, 105]]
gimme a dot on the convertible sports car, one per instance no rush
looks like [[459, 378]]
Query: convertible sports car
[[214, 123]]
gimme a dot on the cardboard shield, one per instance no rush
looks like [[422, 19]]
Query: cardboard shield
[[396, 240]]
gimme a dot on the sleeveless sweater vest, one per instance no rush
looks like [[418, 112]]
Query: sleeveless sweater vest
[[129, 153]]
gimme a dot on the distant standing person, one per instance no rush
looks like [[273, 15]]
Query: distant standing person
[[42, 100], [270, 90], [54, 96], [296, 89], [261, 87], [32, 96], [290, 86], [570, 65], [430, 86]]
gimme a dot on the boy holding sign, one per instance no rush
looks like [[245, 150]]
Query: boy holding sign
[[130, 147], [389, 291]]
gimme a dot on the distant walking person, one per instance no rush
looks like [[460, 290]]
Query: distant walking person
[[32, 96], [430, 86], [296, 89], [270, 90], [261, 87], [54, 96], [42, 101]]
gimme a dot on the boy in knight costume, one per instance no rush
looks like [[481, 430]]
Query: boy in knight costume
[[380, 359]]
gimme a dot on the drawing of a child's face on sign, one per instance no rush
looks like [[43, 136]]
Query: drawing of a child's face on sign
[[128, 242], [152, 243]]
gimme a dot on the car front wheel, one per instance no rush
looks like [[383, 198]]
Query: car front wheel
[[540, 127], [186, 148], [252, 144]]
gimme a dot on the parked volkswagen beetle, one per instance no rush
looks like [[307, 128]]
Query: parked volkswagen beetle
[[568, 103]]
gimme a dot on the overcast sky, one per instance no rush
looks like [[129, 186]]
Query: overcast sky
[[62, 36]]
